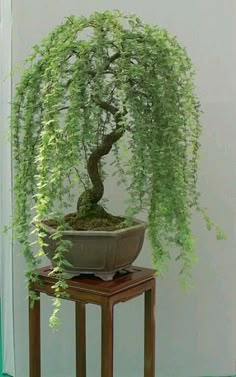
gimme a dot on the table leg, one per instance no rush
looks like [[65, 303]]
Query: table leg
[[149, 335], [107, 338], [80, 319], [34, 340]]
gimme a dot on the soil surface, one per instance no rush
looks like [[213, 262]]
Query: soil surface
[[103, 224]]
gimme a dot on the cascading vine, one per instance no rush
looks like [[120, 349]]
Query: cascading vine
[[89, 84]]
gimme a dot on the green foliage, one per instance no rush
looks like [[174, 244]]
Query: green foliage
[[59, 117]]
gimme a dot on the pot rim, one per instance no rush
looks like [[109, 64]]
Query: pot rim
[[109, 233]]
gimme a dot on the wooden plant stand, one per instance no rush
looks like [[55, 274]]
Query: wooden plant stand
[[84, 290]]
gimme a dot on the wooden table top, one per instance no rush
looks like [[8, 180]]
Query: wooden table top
[[92, 284]]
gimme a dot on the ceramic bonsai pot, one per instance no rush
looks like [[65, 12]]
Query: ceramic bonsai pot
[[102, 253]]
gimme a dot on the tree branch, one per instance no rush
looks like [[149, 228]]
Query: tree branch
[[113, 57], [107, 106], [94, 195]]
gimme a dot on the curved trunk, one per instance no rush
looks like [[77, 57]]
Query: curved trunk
[[92, 196]]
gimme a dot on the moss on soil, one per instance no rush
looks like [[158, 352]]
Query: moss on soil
[[108, 223]]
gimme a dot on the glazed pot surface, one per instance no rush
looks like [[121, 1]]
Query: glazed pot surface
[[102, 253]]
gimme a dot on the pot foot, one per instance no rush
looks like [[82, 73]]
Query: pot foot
[[105, 276], [129, 269]]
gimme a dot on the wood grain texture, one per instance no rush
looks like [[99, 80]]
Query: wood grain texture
[[149, 331], [89, 289], [80, 336], [94, 285], [132, 292], [107, 339], [34, 341]]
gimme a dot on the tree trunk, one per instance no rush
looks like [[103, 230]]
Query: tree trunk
[[88, 200]]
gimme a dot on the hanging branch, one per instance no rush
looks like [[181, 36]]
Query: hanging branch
[[152, 97]]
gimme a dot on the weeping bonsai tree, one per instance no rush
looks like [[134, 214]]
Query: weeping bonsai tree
[[98, 85]]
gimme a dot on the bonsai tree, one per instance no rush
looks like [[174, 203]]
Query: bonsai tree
[[98, 85]]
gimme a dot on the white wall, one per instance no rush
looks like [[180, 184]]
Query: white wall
[[6, 249], [196, 332]]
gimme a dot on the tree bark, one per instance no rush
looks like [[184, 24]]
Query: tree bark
[[92, 196]]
